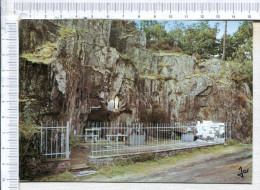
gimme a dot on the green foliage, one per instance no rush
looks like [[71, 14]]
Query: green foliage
[[65, 176], [229, 47], [147, 23], [177, 33], [158, 114], [239, 47], [150, 163], [243, 42], [145, 115], [31, 162], [200, 38], [157, 37], [30, 110], [27, 116], [120, 31], [242, 71], [125, 163], [240, 52], [74, 142], [232, 142]]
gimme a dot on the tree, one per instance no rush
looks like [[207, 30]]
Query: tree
[[200, 38], [229, 46], [239, 51], [224, 42], [156, 35], [243, 42], [177, 36], [148, 27], [147, 24], [239, 46]]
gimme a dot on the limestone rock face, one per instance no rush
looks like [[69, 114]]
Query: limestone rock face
[[84, 70]]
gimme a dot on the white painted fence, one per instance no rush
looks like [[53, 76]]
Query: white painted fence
[[110, 139], [54, 140]]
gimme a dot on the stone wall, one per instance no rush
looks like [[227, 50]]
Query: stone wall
[[108, 161], [57, 165]]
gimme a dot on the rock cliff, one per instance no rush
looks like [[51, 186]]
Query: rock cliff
[[99, 70]]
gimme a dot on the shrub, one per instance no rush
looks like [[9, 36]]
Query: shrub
[[232, 142], [177, 49], [242, 72], [74, 142], [158, 114], [144, 157], [125, 163], [145, 116], [31, 161]]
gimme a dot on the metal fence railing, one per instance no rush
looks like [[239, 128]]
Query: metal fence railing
[[109, 139], [54, 139]]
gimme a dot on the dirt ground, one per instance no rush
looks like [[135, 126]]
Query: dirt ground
[[221, 169], [79, 156], [218, 167]]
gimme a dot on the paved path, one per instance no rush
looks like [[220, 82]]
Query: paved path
[[220, 169]]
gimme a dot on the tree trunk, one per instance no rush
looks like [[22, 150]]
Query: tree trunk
[[224, 42]]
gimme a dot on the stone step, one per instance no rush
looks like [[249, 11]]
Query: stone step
[[79, 167]]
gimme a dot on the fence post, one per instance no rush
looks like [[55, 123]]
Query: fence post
[[118, 124], [56, 138], [46, 147], [62, 141], [224, 132], [230, 129], [41, 139], [67, 141], [92, 140], [52, 127], [157, 136], [107, 133]]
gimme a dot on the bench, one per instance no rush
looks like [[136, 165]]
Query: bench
[[118, 135], [92, 134], [95, 137]]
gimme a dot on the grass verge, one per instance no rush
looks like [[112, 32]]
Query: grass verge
[[146, 167], [148, 163], [66, 176]]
